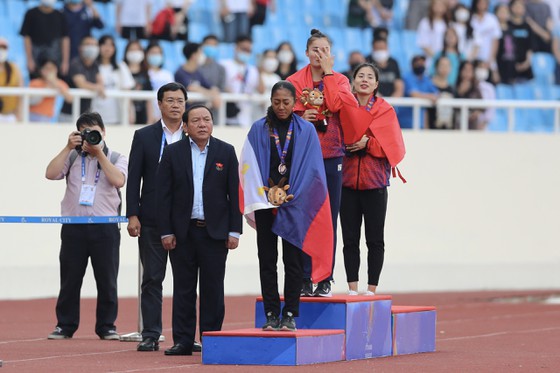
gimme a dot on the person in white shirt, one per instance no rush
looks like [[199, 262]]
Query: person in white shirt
[[468, 43], [487, 27], [235, 16], [158, 75], [432, 28], [134, 18], [267, 67], [115, 75], [241, 77]]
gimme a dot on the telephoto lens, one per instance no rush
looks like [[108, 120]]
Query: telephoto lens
[[92, 137]]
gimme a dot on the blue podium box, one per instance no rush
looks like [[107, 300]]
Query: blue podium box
[[257, 347], [414, 329], [365, 319]]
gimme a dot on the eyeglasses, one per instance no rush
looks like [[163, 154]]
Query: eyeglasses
[[171, 101]]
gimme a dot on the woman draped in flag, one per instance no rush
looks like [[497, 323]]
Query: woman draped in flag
[[375, 146], [318, 83], [282, 156]]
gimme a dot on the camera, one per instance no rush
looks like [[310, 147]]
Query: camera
[[93, 137]]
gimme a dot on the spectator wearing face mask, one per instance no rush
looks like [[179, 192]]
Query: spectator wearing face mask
[[267, 67], [158, 75], [487, 91], [417, 84], [10, 76], [211, 70], [134, 58], [241, 77], [469, 42], [390, 81], [84, 73], [45, 34], [189, 76], [81, 17], [287, 60], [355, 59]]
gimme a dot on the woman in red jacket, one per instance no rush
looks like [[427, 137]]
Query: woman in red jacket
[[366, 171], [319, 78]]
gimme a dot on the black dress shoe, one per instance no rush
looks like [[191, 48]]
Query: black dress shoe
[[148, 344], [178, 349], [197, 347]]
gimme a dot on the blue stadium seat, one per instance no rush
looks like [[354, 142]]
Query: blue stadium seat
[[545, 92], [197, 31], [120, 46], [334, 13], [226, 51], [171, 59], [543, 67], [399, 14], [16, 10], [526, 120], [353, 40]]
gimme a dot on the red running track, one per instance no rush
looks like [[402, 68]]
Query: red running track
[[476, 332]]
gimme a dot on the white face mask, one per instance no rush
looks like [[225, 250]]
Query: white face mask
[[270, 64], [3, 55], [201, 59], [381, 56], [462, 15], [481, 74], [135, 56], [49, 3], [285, 56], [90, 52]]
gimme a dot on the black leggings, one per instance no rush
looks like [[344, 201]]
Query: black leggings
[[372, 205]]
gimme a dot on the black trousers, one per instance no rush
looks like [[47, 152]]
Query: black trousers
[[267, 244], [199, 257], [372, 205], [154, 262], [80, 242]]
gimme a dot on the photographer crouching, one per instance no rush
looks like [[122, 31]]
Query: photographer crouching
[[93, 175]]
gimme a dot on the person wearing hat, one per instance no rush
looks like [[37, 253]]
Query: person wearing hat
[[10, 76], [417, 84]]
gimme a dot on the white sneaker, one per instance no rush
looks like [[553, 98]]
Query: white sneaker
[[352, 292], [369, 293]]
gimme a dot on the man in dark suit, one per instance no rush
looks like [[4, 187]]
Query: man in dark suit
[[147, 148], [199, 221]]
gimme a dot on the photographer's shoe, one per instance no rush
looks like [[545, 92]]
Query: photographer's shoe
[[58, 334]]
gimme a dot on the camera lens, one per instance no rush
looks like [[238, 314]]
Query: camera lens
[[93, 137]]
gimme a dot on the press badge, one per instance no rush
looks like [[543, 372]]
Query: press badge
[[87, 195]]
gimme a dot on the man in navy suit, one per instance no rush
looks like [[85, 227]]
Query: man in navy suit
[[147, 149], [199, 221]]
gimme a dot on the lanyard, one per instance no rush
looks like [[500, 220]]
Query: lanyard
[[162, 146], [84, 171], [282, 152], [370, 103]]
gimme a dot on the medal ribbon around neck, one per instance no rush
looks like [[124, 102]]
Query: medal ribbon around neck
[[282, 152]]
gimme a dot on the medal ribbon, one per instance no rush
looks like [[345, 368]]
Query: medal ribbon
[[282, 152]]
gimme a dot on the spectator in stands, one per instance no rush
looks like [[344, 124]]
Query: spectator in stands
[[486, 26], [189, 76], [10, 76], [211, 70], [451, 51], [432, 28], [417, 84], [287, 59], [171, 22], [45, 34], [469, 42], [468, 87], [81, 16], [390, 81], [241, 77], [417, 10], [267, 66], [134, 58], [382, 13], [115, 76], [554, 6], [514, 50], [158, 75], [41, 108], [539, 17], [442, 117], [84, 73], [235, 16], [260, 9], [487, 91], [355, 58], [359, 13], [133, 18]]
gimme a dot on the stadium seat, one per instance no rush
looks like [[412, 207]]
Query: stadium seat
[[526, 120], [16, 10], [500, 121], [197, 31], [399, 14], [545, 92], [543, 67]]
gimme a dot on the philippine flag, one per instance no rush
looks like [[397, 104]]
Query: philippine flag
[[304, 221]]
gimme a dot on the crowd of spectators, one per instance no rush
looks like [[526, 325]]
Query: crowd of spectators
[[465, 49]]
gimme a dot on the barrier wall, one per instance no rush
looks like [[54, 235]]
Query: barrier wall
[[479, 211]]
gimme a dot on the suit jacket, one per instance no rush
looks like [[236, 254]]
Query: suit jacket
[[220, 190], [142, 168]]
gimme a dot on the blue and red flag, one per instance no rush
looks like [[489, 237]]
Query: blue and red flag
[[304, 221]]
